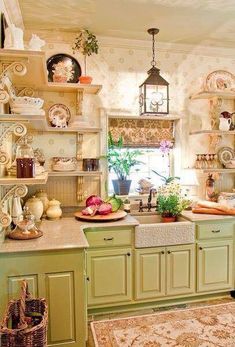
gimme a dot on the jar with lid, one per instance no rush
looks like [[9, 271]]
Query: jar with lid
[[211, 194], [25, 161]]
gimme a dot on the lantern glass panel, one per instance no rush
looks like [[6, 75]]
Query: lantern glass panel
[[156, 99]]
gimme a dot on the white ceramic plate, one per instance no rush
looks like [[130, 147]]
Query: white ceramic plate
[[59, 115], [220, 80]]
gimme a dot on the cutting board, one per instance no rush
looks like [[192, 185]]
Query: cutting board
[[203, 210], [99, 218]]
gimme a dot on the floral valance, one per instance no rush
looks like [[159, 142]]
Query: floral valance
[[142, 132]]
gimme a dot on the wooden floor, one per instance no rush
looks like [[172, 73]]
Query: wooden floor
[[90, 342]]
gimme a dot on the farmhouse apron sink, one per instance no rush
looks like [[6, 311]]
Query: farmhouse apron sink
[[152, 233]]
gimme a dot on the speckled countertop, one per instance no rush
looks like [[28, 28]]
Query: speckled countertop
[[65, 233], [196, 217]]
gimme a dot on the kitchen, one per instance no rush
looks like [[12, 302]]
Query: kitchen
[[187, 134]]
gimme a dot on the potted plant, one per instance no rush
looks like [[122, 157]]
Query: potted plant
[[87, 44], [121, 160], [171, 202]]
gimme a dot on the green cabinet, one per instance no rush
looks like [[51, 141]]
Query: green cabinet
[[180, 269], [150, 272], [109, 275], [57, 276], [164, 271], [215, 265]]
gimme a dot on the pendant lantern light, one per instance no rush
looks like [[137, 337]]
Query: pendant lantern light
[[154, 91]]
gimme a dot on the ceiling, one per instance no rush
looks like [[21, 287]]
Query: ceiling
[[206, 22]]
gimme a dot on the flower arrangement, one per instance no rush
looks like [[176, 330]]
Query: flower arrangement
[[171, 201], [63, 70]]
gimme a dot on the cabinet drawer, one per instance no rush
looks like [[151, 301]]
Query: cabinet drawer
[[214, 230], [109, 238]]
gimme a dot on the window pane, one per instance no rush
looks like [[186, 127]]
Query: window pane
[[152, 159]]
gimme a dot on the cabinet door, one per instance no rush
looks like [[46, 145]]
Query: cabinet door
[[180, 269], [109, 276], [149, 273], [215, 265]]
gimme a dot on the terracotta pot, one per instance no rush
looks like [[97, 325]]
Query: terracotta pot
[[168, 219], [85, 79], [59, 79]]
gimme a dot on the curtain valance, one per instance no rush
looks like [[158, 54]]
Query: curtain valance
[[142, 132]]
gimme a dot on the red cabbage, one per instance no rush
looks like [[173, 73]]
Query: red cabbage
[[90, 210], [93, 200], [105, 208]]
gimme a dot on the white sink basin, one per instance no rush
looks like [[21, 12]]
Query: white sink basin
[[152, 233]]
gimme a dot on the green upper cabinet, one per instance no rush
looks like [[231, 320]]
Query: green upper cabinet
[[109, 276], [149, 273], [180, 269], [215, 265]]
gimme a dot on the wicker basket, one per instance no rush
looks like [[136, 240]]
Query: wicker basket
[[24, 335]]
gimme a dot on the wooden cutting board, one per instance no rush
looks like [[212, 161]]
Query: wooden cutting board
[[99, 218], [203, 210]]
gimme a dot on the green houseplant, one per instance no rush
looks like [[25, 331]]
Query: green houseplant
[[87, 44], [121, 160], [171, 202]]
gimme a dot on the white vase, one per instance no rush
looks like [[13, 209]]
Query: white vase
[[42, 195], [224, 124]]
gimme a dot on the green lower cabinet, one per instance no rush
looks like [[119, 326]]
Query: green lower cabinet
[[180, 266], [164, 271], [109, 276], [59, 278], [214, 265], [150, 271]]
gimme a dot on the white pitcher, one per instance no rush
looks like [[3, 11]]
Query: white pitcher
[[224, 124]]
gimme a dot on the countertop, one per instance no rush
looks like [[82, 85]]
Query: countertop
[[196, 217], [65, 233]]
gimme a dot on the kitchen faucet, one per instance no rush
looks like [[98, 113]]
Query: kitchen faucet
[[151, 194]]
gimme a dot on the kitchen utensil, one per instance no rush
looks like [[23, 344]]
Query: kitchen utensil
[[101, 218]]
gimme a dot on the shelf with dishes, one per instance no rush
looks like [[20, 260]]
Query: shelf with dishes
[[36, 76], [204, 94], [39, 123], [75, 173], [212, 132], [11, 180]]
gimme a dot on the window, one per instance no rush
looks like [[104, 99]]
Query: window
[[152, 159]]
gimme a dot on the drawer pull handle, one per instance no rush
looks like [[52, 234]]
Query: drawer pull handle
[[108, 238], [128, 254], [162, 252], [88, 279], [215, 231], [200, 248], [169, 252]]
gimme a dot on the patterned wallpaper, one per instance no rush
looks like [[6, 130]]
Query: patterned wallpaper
[[121, 69]]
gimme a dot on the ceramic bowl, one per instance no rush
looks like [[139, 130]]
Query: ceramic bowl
[[26, 101], [64, 163]]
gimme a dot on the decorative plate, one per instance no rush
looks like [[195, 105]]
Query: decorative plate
[[220, 80], [59, 115], [63, 68], [225, 155]]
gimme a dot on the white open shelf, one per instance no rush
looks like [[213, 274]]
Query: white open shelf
[[10, 180], [209, 95], [75, 173], [213, 132]]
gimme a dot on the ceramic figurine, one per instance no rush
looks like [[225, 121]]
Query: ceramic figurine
[[13, 37], [35, 206], [54, 211], [35, 43]]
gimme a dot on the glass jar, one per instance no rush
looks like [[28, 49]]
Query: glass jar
[[25, 161]]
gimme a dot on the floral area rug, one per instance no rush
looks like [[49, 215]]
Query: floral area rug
[[210, 326]]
